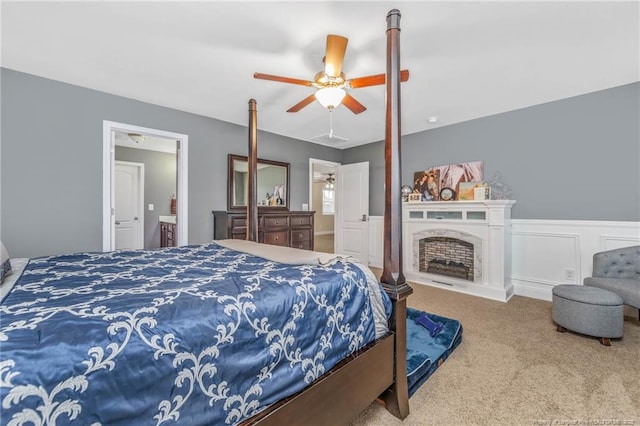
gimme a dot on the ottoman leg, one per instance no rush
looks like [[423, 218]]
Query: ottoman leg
[[605, 341], [561, 329]]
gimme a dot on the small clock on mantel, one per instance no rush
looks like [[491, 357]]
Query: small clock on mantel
[[447, 194]]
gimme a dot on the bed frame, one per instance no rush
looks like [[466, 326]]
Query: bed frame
[[378, 371]]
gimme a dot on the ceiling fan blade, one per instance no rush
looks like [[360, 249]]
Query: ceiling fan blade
[[303, 103], [336, 47], [282, 79], [351, 103], [374, 80]]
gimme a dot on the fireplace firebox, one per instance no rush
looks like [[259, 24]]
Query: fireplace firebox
[[446, 256]]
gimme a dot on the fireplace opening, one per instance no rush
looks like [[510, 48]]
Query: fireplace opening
[[446, 256]]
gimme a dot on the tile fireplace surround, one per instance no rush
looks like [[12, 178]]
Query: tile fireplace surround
[[447, 237]]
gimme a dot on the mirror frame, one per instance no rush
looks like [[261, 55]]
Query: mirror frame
[[230, 170]]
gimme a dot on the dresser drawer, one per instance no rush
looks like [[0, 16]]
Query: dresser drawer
[[238, 222], [277, 238], [300, 220], [300, 235], [276, 221], [276, 227]]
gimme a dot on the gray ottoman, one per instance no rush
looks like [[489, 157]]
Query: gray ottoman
[[588, 310]]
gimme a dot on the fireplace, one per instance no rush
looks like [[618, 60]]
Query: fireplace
[[463, 246], [448, 253], [446, 256]]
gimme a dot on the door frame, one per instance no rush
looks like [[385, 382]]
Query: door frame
[[140, 201], [108, 170]]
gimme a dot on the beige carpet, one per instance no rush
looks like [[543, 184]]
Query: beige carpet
[[514, 368]]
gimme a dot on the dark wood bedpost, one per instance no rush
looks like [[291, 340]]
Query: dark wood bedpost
[[395, 397], [252, 176]]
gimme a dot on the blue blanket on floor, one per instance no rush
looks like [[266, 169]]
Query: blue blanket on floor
[[425, 353]]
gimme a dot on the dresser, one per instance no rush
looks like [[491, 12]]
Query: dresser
[[280, 228]]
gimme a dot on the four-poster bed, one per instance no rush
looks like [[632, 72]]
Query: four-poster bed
[[350, 387], [229, 332]]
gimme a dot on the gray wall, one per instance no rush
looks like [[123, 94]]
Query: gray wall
[[577, 158], [51, 162], [572, 159], [160, 183]]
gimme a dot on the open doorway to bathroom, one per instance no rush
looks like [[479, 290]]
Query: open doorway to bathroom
[[322, 192], [162, 198], [150, 211]]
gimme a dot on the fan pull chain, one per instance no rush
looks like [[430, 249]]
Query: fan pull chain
[[331, 123]]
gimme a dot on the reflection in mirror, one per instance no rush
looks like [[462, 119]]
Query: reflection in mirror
[[272, 183]]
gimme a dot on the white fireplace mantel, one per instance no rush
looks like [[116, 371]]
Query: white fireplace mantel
[[486, 224]]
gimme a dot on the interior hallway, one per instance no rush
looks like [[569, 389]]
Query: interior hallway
[[323, 243]]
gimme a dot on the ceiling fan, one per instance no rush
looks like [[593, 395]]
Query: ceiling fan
[[332, 82], [330, 181]]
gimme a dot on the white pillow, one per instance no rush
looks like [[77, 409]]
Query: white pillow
[[5, 265]]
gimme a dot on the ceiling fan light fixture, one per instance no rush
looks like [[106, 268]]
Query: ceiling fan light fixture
[[330, 97], [330, 182]]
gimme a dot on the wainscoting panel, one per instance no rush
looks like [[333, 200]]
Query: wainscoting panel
[[376, 241], [544, 253], [534, 262]]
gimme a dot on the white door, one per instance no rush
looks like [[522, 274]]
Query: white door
[[352, 211], [129, 194]]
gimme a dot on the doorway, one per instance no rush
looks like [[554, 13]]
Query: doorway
[[123, 134], [322, 196]]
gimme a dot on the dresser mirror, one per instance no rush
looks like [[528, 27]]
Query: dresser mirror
[[272, 185]]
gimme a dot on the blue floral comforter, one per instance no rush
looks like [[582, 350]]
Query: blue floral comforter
[[192, 335]]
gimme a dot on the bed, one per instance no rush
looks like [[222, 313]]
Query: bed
[[227, 332]]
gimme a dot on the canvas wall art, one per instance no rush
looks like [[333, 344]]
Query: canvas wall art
[[448, 176]]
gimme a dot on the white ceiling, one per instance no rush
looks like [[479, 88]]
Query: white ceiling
[[466, 59]]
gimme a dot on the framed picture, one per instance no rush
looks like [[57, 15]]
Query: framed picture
[[427, 183], [466, 190], [415, 197], [482, 192], [473, 191]]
